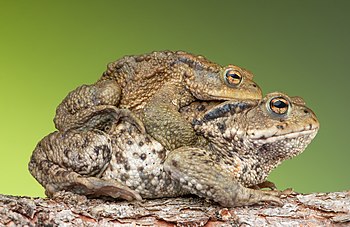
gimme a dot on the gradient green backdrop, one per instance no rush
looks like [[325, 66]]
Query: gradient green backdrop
[[47, 48]]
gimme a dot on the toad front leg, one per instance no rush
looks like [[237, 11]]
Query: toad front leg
[[72, 161], [199, 173], [86, 102], [163, 121]]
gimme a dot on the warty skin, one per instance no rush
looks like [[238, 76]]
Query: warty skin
[[242, 142]]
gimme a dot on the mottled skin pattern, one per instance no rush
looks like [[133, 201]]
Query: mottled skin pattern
[[243, 142], [155, 86]]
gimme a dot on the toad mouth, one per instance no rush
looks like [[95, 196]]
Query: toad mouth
[[289, 135]]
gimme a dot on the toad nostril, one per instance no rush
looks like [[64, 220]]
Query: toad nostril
[[254, 85], [306, 111]]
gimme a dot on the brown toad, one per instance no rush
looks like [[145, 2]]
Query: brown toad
[[156, 86], [244, 142]]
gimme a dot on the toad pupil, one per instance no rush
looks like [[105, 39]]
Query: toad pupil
[[279, 104], [233, 76]]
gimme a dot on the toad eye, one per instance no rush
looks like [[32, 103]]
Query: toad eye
[[279, 105], [232, 77]]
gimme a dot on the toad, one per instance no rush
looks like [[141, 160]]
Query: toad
[[243, 142], [155, 86]]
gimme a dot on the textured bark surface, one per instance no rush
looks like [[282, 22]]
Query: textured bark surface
[[319, 209]]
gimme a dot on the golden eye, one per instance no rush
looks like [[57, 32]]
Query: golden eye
[[279, 105], [232, 77]]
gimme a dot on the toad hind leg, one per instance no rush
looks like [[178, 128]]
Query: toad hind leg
[[203, 176], [87, 101], [72, 161], [96, 117]]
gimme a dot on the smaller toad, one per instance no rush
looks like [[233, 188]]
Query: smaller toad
[[155, 86]]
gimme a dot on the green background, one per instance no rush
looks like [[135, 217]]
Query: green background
[[47, 48]]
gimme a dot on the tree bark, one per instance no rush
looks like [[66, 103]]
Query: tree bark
[[318, 209]]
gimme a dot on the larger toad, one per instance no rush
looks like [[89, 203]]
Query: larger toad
[[243, 142], [156, 86]]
